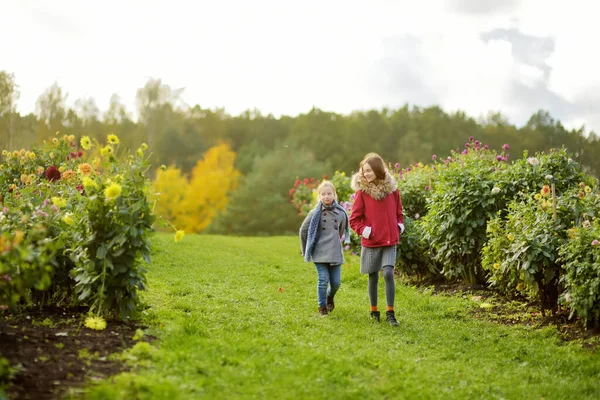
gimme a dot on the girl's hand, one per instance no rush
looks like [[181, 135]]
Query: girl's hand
[[366, 232]]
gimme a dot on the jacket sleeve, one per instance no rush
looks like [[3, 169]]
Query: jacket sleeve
[[357, 214], [399, 212], [304, 231]]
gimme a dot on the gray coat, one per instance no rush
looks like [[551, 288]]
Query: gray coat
[[331, 228]]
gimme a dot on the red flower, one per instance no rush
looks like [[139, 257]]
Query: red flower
[[52, 174], [81, 189], [306, 181]]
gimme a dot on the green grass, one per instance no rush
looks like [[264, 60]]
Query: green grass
[[226, 331]]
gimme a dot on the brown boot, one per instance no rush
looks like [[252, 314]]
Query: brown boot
[[323, 311], [330, 304]]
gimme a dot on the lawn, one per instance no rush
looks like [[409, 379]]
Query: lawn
[[236, 318]]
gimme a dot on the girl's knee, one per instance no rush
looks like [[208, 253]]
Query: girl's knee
[[388, 272]]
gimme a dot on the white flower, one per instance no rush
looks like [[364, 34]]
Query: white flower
[[496, 190], [533, 161], [549, 177]]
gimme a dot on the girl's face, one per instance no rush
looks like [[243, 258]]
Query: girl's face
[[368, 172], [326, 195]]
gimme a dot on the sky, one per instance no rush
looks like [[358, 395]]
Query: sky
[[285, 57]]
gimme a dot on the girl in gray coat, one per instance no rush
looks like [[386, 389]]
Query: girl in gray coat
[[320, 238]]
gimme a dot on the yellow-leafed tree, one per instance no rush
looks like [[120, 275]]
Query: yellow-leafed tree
[[213, 179], [169, 189]]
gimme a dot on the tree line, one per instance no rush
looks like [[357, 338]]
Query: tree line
[[271, 152]]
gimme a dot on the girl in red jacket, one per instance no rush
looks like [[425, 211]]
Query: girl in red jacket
[[377, 217]]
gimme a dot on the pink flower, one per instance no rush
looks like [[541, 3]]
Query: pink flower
[[3, 307], [6, 277], [471, 138], [397, 165], [499, 158], [347, 247], [485, 146], [506, 147], [595, 242], [434, 157]]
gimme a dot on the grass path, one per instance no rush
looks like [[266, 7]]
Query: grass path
[[237, 318]]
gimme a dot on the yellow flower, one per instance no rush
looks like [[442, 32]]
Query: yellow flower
[[58, 202], [71, 138], [85, 169], [55, 140], [15, 154], [30, 155], [179, 235], [113, 139], [68, 219], [51, 155], [88, 182], [112, 191], [18, 237], [106, 150], [510, 237], [144, 146], [521, 286], [96, 162], [4, 152], [95, 323], [496, 265], [86, 143], [545, 190], [587, 189], [538, 196]]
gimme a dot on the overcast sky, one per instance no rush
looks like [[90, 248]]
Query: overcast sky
[[284, 56]]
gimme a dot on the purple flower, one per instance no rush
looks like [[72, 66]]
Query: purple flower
[[471, 138], [499, 158], [347, 247], [427, 187], [407, 169], [434, 157], [485, 146], [5, 210], [506, 147], [465, 151], [397, 165], [477, 143], [6, 277], [45, 203], [467, 145], [595, 242]]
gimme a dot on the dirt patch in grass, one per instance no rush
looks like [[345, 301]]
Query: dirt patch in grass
[[518, 311], [50, 351]]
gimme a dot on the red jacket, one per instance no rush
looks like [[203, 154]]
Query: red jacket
[[383, 215]]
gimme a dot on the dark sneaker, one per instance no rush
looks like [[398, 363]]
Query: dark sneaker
[[375, 316], [323, 311], [330, 305], [390, 318]]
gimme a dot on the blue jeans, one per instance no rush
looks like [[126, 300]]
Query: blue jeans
[[331, 275]]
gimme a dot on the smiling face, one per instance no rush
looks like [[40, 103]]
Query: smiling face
[[326, 195], [368, 172]]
